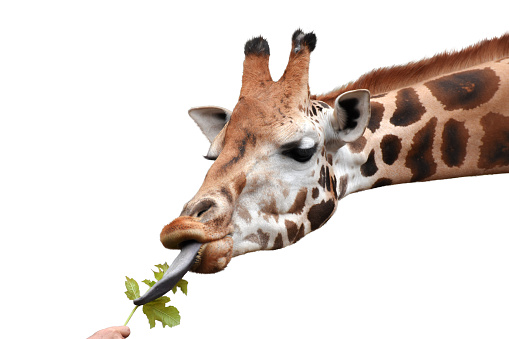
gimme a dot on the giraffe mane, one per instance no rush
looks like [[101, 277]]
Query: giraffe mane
[[385, 79]]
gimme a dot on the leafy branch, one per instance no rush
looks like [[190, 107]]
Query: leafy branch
[[156, 310]]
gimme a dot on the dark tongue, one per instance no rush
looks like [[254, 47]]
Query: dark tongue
[[182, 263]]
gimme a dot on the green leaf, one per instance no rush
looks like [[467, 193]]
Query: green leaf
[[156, 310], [182, 284], [162, 300], [164, 267], [162, 270], [150, 283], [133, 290]]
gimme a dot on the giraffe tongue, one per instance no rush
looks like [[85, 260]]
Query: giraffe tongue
[[182, 263]]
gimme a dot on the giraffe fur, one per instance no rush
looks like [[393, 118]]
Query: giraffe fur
[[283, 159]]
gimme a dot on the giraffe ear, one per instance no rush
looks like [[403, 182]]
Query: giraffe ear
[[210, 119], [352, 111]]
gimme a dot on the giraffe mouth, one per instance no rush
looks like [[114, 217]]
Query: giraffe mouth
[[210, 257], [214, 256], [217, 243]]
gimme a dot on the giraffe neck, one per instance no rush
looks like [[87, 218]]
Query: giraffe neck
[[450, 126]]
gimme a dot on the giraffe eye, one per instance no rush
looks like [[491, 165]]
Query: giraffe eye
[[300, 154]]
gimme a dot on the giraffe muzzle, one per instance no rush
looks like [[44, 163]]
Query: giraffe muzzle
[[215, 236], [184, 229]]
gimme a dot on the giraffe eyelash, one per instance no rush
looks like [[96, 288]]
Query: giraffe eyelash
[[300, 154], [209, 157]]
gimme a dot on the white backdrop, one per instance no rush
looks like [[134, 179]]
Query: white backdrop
[[98, 154]]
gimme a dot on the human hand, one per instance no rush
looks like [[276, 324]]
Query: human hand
[[115, 332]]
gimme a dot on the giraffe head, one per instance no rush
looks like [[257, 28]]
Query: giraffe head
[[272, 180]]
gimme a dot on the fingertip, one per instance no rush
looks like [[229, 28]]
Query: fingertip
[[125, 331]]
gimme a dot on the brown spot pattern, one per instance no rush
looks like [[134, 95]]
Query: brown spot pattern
[[244, 213], [390, 147], [291, 230], [334, 184], [465, 90], [261, 238], [409, 109], [495, 142], [321, 180], [454, 143], [420, 157], [369, 168], [300, 201], [377, 112], [382, 182], [318, 214], [358, 145], [300, 235], [253, 238], [315, 193], [278, 242], [269, 208], [343, 185], [327, 179], [312, 111]]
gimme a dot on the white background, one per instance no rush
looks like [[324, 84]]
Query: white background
[[98, 154]]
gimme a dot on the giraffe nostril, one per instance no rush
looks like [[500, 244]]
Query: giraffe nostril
[[202, 211], [201, 208]]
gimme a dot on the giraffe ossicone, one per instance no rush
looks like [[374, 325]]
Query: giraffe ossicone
[[283, 158]]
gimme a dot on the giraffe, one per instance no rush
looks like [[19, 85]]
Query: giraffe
[[283, 158]]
